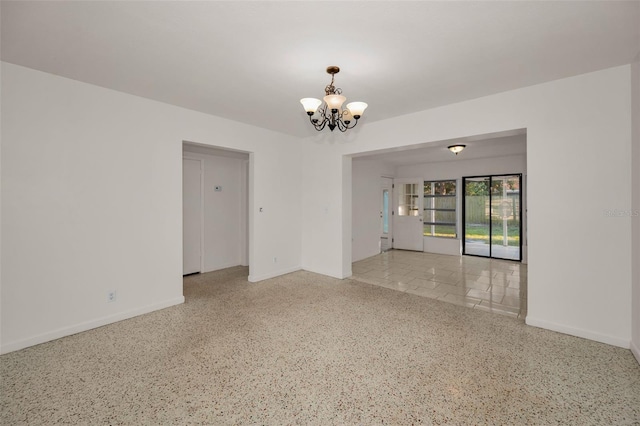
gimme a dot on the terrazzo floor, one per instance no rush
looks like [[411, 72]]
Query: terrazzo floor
[[311, 350]]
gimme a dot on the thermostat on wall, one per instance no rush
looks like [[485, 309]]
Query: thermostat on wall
[[218, 188]]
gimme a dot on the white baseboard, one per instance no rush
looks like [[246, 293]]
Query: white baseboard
[[577, 332], [635, 350], [218, 267], [256, 278], [88, 325]]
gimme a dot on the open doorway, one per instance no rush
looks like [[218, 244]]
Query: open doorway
[[386, 214], [428, 222], [215, 208]]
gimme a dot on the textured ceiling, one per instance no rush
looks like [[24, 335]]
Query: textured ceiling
[[252, 61]]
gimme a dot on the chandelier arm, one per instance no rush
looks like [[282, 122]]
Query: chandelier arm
[[349, 126], [318, 125], [342, 126]]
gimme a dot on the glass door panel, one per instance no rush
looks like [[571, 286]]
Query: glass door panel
[[477, 211], [505, 217]]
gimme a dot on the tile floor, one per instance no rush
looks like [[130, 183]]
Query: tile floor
[[498, 286]]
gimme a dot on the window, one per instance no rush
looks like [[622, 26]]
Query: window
[[408, 196], [385, 211], [440, 208]]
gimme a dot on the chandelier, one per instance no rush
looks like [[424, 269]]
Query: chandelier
[[456, 148], [331, 113]]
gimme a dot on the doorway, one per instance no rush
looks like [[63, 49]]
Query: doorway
[[215, 208], [386, 213], [192, 216], [492, 216]]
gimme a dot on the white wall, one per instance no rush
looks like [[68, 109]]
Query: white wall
[[224, 214], [635, 251], [91, 199], [456, 170], [91, 202], [366, 204], [578, 131]]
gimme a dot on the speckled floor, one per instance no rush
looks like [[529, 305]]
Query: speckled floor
[[308, 349]]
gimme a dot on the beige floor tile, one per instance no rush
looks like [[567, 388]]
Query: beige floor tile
[[424, 283], [486, 295], [444, 279], [493, 310], [475, 285], [491, 285], [400, 278], [453, 289], [500, 306], [516, 301], [432, 293], [460, 300]]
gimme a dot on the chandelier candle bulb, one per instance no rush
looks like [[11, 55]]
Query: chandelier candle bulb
[[310, 105], [357, 109], [330, 114], [334, 102]]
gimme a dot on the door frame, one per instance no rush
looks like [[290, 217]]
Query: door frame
[[464, 215]]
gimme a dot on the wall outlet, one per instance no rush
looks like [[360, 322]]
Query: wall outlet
[[275, 260], [111, 296]]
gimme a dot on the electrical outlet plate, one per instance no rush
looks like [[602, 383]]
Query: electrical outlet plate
[[111, 296]]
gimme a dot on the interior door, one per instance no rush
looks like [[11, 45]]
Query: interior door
[[386, 209], [191, 216], [407, 222]]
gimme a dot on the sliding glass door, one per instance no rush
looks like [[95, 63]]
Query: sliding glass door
[[492, 216]]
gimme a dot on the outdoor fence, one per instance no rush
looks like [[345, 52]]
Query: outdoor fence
[[478, 211]]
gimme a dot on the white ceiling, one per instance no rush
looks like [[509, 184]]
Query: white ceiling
[[253, 61], [501, 144]]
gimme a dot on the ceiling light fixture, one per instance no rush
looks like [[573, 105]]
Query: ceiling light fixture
[[456, 148], [331, 113]]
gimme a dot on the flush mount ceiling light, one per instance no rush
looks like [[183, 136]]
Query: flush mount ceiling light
[[456, 148], [331, 113]]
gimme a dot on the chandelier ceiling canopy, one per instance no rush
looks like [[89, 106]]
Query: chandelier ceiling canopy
[[330, 113]]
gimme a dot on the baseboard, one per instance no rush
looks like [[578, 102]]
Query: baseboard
[[88, 325], [577, 332], [256, 278], [219, 267], [635, 350]]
